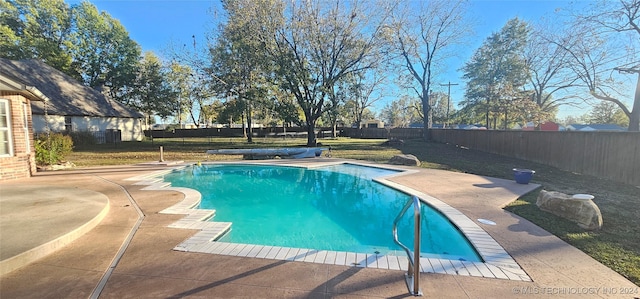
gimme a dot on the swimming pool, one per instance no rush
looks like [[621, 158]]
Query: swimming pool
[[338, 208]]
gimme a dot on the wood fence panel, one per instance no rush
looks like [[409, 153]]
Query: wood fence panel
[[634, 172], [612, 155]]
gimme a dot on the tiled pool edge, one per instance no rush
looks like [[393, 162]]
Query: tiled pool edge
[[498, 263]]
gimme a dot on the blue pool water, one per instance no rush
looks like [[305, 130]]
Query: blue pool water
[[336, 208]]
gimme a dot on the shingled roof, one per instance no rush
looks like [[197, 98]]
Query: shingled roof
[[66, 95]]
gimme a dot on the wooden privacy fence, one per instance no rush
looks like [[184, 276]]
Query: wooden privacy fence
[[399, 133], [612, 155]]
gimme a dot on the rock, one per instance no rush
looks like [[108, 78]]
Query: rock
[[394, 142], [409, 160], [582, 211]]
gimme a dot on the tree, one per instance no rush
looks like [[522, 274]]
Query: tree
[[37, 29], [286, 108], [104, 54], [402, 112], [334, 109], [607, 112], [423, 36], [77, 40], [178, 77], [315, 44], [239, 65], [497, 68], [151, 93], [549, 68], [211, 113], [232, 111], [570, 119], [441, 106], [604, 41], [363, 93]]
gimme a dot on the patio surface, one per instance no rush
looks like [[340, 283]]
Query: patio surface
[[148, 267]]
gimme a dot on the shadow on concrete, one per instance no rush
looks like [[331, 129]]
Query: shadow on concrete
[[226, 280]]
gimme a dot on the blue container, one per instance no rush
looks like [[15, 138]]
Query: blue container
[[523, 176]]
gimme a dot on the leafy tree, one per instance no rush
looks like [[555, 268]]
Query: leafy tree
[[315, 44], [37, 29], [231, 112], [104, 54], [10, 31], [439, 109], [151, 93], [497, 68], [402, 112], [211, 113], [363, 92], [570, 119], [607, 112], [197, 96], [178, 77], [286, 108], [239, 65], [423, 36], [334, 109], [193, 93]]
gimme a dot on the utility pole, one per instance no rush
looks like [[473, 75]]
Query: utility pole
[[448, 100]]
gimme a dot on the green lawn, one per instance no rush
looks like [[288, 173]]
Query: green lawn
[[616, 245]]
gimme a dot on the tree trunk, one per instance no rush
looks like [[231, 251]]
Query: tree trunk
[[487, 116], [634, 117], [426, 119], [249, 125], [334, 129], [244, 126], [311, 135]]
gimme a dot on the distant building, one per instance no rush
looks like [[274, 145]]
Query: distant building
[[372, 124], [468, 127], [72, 106], [545, 126], [595, 127]]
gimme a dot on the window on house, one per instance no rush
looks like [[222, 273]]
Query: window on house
[[6, 146], [25, 126], [67, 124]]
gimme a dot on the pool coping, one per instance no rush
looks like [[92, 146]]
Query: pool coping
[[497, 262]]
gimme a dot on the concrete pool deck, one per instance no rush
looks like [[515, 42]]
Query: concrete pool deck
[[150, 268]]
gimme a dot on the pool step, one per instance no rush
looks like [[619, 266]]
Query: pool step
[[195, 219], [187, 205], [157, 185], [211, 231]]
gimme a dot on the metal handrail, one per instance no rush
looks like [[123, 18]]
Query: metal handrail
[[412, 277]]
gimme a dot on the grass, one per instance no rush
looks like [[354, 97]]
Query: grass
[[616, 245]]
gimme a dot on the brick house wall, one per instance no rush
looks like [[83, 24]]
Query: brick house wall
[[21, 163]]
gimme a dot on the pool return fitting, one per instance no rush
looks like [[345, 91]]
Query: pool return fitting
[[412, 277]]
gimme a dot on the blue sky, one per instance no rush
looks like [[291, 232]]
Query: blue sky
[[155, 24]]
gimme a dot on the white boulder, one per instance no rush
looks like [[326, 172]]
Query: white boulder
[[579, 209]]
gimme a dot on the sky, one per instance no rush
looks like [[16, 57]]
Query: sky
[[157, 24]]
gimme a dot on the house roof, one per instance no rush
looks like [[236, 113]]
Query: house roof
[[13, 86], [576, 127], [66, 95], [597, 127], [606, 127]]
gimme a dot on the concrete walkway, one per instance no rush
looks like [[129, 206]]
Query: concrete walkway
[[39, 219], [149, 268]]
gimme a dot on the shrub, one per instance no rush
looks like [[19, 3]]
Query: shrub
[[82, 138], [51, 149]]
